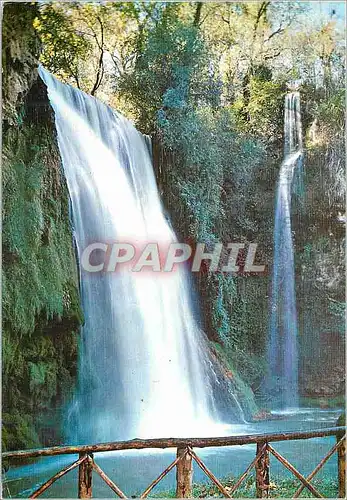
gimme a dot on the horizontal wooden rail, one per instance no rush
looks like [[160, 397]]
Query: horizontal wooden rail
[[138, 444], [184, 462]]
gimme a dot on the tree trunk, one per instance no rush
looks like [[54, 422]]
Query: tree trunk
[[197, 15], [246, 92]]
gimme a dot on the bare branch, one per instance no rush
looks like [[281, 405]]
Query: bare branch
[[100, 71], [261, 11], [204, 19], [272, 56], [281, 29]]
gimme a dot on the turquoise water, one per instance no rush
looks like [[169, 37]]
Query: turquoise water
[[133, 471]]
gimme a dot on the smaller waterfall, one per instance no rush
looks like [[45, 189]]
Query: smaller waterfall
[[282, 349]]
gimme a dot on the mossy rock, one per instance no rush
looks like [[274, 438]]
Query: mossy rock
[[41, 302]]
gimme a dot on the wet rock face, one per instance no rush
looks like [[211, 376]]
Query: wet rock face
[[328, 383], [20, 53], [320, 268]]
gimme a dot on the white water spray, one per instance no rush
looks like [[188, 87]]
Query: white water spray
[[144, 369]]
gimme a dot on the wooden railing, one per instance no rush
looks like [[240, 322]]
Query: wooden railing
[[185, 457]]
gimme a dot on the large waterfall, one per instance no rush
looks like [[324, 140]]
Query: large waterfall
[[283, 349], [144, 368]]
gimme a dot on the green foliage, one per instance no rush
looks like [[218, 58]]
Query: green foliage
[[324, 111], [265, 109], [63, 47], [42, 375], [204, 139], [238, 307], [225, 290], [41, 309], [18, 431], [280, 488], [37, 239], [325, 402], [84, 43], [164, 69], [213, 165], [238, 375], [330, 111]]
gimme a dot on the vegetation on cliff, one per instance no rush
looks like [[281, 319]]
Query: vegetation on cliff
[[207, 82], [41, 309]]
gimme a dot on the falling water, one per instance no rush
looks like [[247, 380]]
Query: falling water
[[144, 369], [283, 350]]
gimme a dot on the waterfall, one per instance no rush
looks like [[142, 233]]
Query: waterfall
[[282, 349], [144, 368]]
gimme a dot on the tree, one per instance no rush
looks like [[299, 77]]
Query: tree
[[86, 44], [63, 48]]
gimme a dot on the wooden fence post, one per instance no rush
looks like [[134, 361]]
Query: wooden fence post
[[85, 472], [262, 476], [184, 474], [341, 453]]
